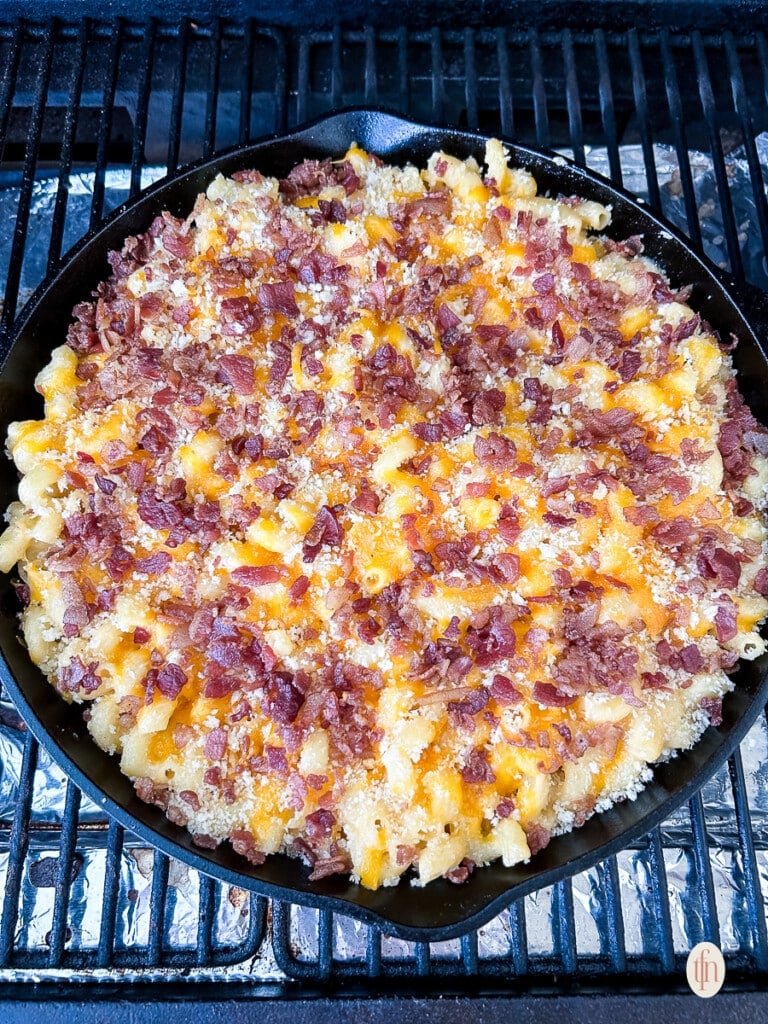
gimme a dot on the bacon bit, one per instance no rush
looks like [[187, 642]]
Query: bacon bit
[[237, 371], [641, 515], [204, 841], [460, 874], [239, 316], [506, 566], [282, 699], [338, 865], [557, 521], [446, 318], [495, 451], [725, 621], [713, 706], [619, 584], [75, 608], [761, 582], [171, 680], [182, 734], [654, 680], [298, 589], [257, 575], [554, 485], [154, 565], [141, 635], [691, 659], [104, 485], [325, 530], [75, 676], [191, 798], [476, 767], [366, 501], [281, 364], [503, 691], [279, 298], [163, 515], [244, 844], [673, 532], [216, 744], [538, 837], [502, 212], [691, 451], [491, 640], [551, 697], [629, 365], [508, 525], [429, 432], [720, 564]]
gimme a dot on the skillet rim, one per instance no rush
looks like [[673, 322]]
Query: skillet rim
[[467, 908]]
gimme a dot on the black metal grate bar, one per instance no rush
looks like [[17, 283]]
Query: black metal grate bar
[[470, 77], [68, 140], [212, 92], [105, 124], [142, 106], [572, 99], [641, 106], [675, 102], [65, 870], [614, 920], [17, 849], [438, 81], [742, 105], [105, 954], [124, 91], [754, 898], [716, 148], [25, 196], [539, 93], [710, 927], [506, 111], [177, 104], [607, 108]]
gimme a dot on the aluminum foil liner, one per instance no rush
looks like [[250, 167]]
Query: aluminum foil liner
[[496, 939]]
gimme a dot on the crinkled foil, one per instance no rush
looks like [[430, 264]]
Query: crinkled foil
[[541, 910]]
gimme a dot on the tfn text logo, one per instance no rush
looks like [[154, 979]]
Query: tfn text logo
[[705, 970]]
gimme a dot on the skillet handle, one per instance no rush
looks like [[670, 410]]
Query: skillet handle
[[753, 302]]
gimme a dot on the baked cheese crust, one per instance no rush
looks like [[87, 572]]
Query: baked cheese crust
[[391, 518]]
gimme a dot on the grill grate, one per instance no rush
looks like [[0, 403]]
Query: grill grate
[[94, 97]]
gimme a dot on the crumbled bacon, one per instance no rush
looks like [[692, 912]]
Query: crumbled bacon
[[476, 767], [278, 297], [239, 316], [216, 744], [725, 620], [257, 575], [325, 530], [460, 874], [719, 564], [75, 676], [538, 837], [238, 372], [550, 696], [713, 707]]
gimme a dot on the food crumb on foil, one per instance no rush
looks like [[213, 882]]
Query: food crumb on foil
[[232, 905]]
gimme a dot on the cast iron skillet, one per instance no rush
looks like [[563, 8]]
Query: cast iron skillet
[[440, 910]]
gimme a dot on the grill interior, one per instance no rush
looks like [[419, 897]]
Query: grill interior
[[95, 98]]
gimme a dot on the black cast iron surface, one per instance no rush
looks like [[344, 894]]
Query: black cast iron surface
[[441, 910], [98, 96]]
